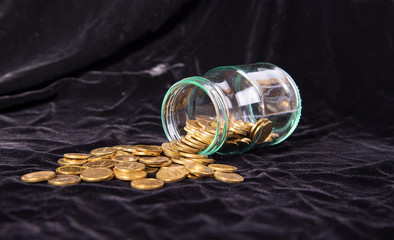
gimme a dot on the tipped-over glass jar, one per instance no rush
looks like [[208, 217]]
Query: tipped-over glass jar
[[232, 109]]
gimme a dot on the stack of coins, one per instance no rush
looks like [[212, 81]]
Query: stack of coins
[[150, 167]]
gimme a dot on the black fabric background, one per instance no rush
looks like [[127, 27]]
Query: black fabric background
[[77, 75]]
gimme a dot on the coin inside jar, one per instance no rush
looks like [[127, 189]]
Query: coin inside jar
[[39, 176], [96, 174], [147, 184], [64, 180]]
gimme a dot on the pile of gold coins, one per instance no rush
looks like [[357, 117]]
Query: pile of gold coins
[[149, 167]]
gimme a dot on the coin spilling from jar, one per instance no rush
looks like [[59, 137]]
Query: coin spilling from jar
[[150, 167]]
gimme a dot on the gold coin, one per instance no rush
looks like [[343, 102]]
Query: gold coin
[[228, 177], [198, 169], [223, 168], [104, 163], [125, 158], [171, 175], [39, 176], [119, 147], [192, 144], [263, 131], [128, 148], [153, 160], [150, 170], [64, 180], [122, 153], [253, 128], [190, 138], [147, 184], [191, 155], [204, 140], [69, 170], [130, 176], [204, 161], [103, 151], [148, 148], [127, 167], [169, 151], [194, 177], [77, 155], [97, 174], [173, 165], [96, 158], [180, 146], [146, 153], [68, 161], [165, 164]]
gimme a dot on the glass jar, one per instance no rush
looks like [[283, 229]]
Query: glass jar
[[232, 109]]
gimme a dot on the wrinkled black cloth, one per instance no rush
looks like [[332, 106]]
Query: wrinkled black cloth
[[78, 75]]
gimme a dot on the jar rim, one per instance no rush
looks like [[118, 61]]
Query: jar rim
[[217, 98]]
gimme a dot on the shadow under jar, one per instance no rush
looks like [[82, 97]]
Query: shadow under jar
[[232, 109]]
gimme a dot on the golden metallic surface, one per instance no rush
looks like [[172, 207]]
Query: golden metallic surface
[[77, 155], [253, 128], [104, 163], [130, 176], [204, 122], [121, 153], [195, 141], [202, 139], [165, 164], [191, 155], [125, 158], [151, 170], [223, 168], [171, 175], [39, 176], [148, 148], [97, 174], [180, 146], [153, 160], [128, 148], [198, 146], [178, 161], [69, 161], [128, 167], [146, 153], [69, 170], [273, 135], [96, 158], [64, 180], [169, 151], [147, 184], [266, 128], [103, 151], [119, 147], [198, 169], [194, 177], [203, 161], [173, 165], [228, 177]]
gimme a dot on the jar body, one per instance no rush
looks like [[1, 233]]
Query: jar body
[[241, 107]]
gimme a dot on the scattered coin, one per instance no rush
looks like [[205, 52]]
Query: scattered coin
[[64, 180], [171, 174], [77, 155], [69, 161], [148, 148], [198, 169], [39, 176], [153, 154], [228, 177], [104, 163], [223, 168], [103, 151], [96, 174], [130, 176], [147, 184], [128, 167], [69, 170], [125, 158]]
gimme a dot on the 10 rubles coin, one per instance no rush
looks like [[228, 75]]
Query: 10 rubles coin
[[228, 177], [171, 174], [97, 174], [69, 170], [39, 176], [147, 184], [64, 180]]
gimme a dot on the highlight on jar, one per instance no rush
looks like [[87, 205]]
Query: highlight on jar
[[232, 109]]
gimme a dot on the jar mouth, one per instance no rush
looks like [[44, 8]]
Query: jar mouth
[[217, 98]]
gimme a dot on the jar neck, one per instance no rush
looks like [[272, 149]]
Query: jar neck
[[171, 121]]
